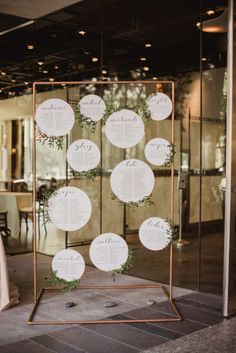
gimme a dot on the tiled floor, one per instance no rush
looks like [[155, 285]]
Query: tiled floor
[[200, 312]]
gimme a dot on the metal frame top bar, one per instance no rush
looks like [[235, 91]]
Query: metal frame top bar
[[40, 83]]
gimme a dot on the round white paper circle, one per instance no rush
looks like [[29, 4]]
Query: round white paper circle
[[108, 252], [154, 233], [55, 117], [160, 106], [92, 107], [69, 208], [124, 128], [83, 155], [157, 151], [132, 180], [68, 264]]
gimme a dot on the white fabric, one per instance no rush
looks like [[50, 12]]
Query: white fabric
[[4, 282]]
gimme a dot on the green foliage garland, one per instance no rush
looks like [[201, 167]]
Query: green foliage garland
[[170, 157], [125, 267], [90, 174], [50, 141], [67, 286], [146, 201]]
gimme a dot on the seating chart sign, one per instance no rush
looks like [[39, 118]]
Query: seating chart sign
[[157, 151], [154, 233], [55, 117], [83, 155], [69, 208], [124, 128], [160, 106], [68, 265], [108, 252], [92, 107], [132, 180]]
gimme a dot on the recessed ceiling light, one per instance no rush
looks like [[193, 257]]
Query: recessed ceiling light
[[26, 82], [30, 46], [3, 73], [146, 68], [198, 24], [40, 63], [86, 52], [56, 67], [148, 45], [210, 12], [155, 78], [94, 60], [13, 80], [104, 72], [82, 33], [51, 79], [0, 90], [143, 59], [45, 71], [204, 59]]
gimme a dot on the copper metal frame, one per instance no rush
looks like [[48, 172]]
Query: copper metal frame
[[38, 296]]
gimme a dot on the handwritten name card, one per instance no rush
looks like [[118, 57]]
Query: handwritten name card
[[132, 180], [154, 233], [55, 117], [70, 208], [83, 155], [68, 265], [108, 251]]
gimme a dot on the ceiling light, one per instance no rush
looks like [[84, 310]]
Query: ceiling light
[[198, 24], [155, 78], [143, 59], [3, 73], [0, 90], [30, 46], [86, 52], [82, 33], [146, 68], [45, 71], [216, 25], [204, 59], [210, 12], [94, 60], [26, 82], [104, 72], [13, 80], [148, 45], [40, 63], [56, 67], [51, 79]]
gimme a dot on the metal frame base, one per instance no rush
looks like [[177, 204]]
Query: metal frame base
[[31, 320]]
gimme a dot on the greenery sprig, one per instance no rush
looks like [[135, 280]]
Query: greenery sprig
[[90, 174], [172, 231], [125, 267], [50, 141], [67, 286], [170, 157], [146, 201], [45, 198], [142, 110], [84, 122]]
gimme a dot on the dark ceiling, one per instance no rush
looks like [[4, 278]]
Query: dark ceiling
[[116, 34]]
